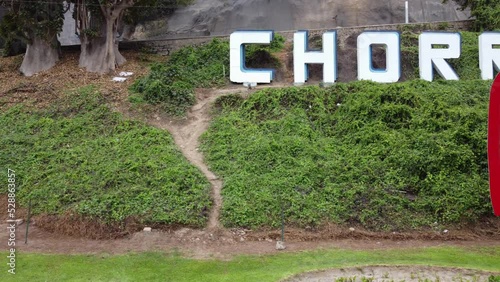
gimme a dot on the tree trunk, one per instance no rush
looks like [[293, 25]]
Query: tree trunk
[[101, 54], [40, 56]]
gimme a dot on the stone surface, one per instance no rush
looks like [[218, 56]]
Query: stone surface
[[249, 85], [393, 273], [280, 245], [221, 17], [147, 229]]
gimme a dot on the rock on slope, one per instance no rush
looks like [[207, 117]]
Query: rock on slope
[[220, 17]]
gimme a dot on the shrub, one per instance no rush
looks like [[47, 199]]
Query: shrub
[[172, 84], [494, 278], [257, 55], [387, 157], [80, 157]]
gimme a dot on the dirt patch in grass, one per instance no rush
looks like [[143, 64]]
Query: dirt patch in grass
[[201, 243], [394, 273], [79, 226]]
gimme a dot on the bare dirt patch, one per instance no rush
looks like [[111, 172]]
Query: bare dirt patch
[[206, 243], [394, 273], [186, 133], [41, 89]]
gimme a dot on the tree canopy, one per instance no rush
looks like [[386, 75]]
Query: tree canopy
[[25, 19], [486, 12], [97, 24], [36, 23]]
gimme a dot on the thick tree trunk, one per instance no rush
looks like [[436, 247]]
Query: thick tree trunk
[[40, 55], [101, 54]]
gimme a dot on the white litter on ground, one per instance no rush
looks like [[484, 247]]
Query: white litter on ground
[[119, 79]]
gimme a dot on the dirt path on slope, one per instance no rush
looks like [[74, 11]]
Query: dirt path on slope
[[186, 133]]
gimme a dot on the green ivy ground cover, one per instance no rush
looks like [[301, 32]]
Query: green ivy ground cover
[[384, 156], [80, 157]]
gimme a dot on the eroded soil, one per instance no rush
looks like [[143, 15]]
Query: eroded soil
[[394, 273]]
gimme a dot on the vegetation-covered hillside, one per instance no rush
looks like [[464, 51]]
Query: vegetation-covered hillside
[[384, 156], [78, 157], [397, 156]]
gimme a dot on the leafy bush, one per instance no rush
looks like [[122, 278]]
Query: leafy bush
[[172, 84], [494, 278], [258, 55], [387, 157], [228, 102], [81, 157], [485, 12]]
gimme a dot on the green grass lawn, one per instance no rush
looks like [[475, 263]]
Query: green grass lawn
[[173, 267]]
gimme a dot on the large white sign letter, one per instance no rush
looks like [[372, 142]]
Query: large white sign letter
[[238, 72], [489, 57], [430, 57], [391, 41], [327, 57]]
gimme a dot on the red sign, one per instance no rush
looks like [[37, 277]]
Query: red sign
[[494, 145]]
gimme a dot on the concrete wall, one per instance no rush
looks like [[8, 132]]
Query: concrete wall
[[166, 46], [219, 17], [68, 34]]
